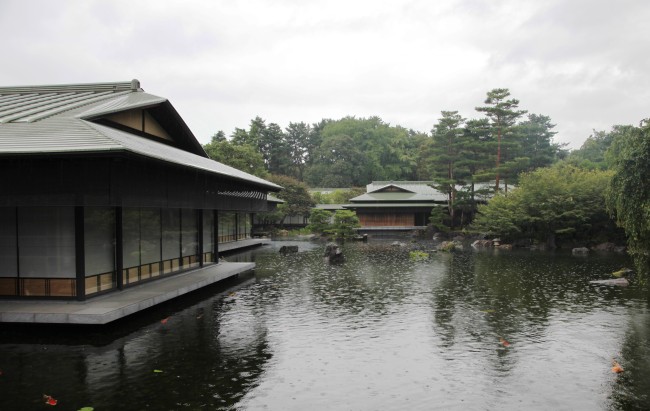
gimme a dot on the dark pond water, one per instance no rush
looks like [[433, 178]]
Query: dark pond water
[[466, 331]]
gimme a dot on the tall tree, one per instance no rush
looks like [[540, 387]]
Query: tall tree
[[256, 130], [377, 151], [444, 152], [338, 163], [628, 197], [240, 136], [504, 114], [269, 141], [275, 150], [402, 153], [314, 141], [295, 194], [219, 136], [240, 156], [478, 148], [478, 160], [537, 141], [297, 138]]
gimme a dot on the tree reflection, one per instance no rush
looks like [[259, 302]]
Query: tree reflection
[[210, 354], [505, 300], [374, 280], [630, 390], [381, 325]]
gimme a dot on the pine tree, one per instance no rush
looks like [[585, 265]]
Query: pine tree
[[445, 151], [503, 114]]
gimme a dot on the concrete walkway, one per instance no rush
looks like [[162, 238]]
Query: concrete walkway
[[118, 304], [243, 244]]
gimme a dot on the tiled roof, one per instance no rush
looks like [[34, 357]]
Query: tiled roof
[[59, 119], [392, 205], [399, 197], [32, 103], [406, 192], [422, 187]]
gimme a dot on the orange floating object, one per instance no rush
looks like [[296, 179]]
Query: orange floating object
[[616, 367], [504, 342], [49, 400], [164, 320]]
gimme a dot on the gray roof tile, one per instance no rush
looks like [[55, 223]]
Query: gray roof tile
[[56, 119]]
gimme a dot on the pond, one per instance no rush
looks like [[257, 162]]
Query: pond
[[470, 330]]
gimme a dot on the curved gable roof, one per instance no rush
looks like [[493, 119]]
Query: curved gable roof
[[391, 188], [75, 118], [400, 192], [28, 104]]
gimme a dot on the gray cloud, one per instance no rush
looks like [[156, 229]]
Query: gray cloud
[[221, 63]]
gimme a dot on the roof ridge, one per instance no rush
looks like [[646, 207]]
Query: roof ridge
[[133, 85], [398, 182]]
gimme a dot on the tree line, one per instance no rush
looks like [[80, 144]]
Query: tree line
[[352, 152], [599, 192], [463, 158]]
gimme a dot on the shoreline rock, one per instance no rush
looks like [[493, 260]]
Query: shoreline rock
[[580, 251], [622, 282], [333, 254]]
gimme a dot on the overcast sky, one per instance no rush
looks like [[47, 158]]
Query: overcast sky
[[583, 63]]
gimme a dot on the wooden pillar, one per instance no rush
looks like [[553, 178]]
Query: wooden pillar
[[119, 249], [199, 220], [79, 252], [216, 236]]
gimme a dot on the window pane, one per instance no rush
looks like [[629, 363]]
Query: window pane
[[46, 242], [246, 224], [150, 245], [208, 231], [8, 243], [99, 240], [241, 225], [190, 237], [131, 237], [227, 226], [171, 233]]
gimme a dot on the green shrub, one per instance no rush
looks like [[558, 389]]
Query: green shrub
[[345, 221]]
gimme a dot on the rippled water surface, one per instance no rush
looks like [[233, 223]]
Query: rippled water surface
[[476, 330]]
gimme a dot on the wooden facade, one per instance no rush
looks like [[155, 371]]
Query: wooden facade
[[109, 190], [386, 219], [396, 205]]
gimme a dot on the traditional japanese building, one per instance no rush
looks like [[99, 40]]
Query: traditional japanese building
[[396, 205], [104, 186]]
